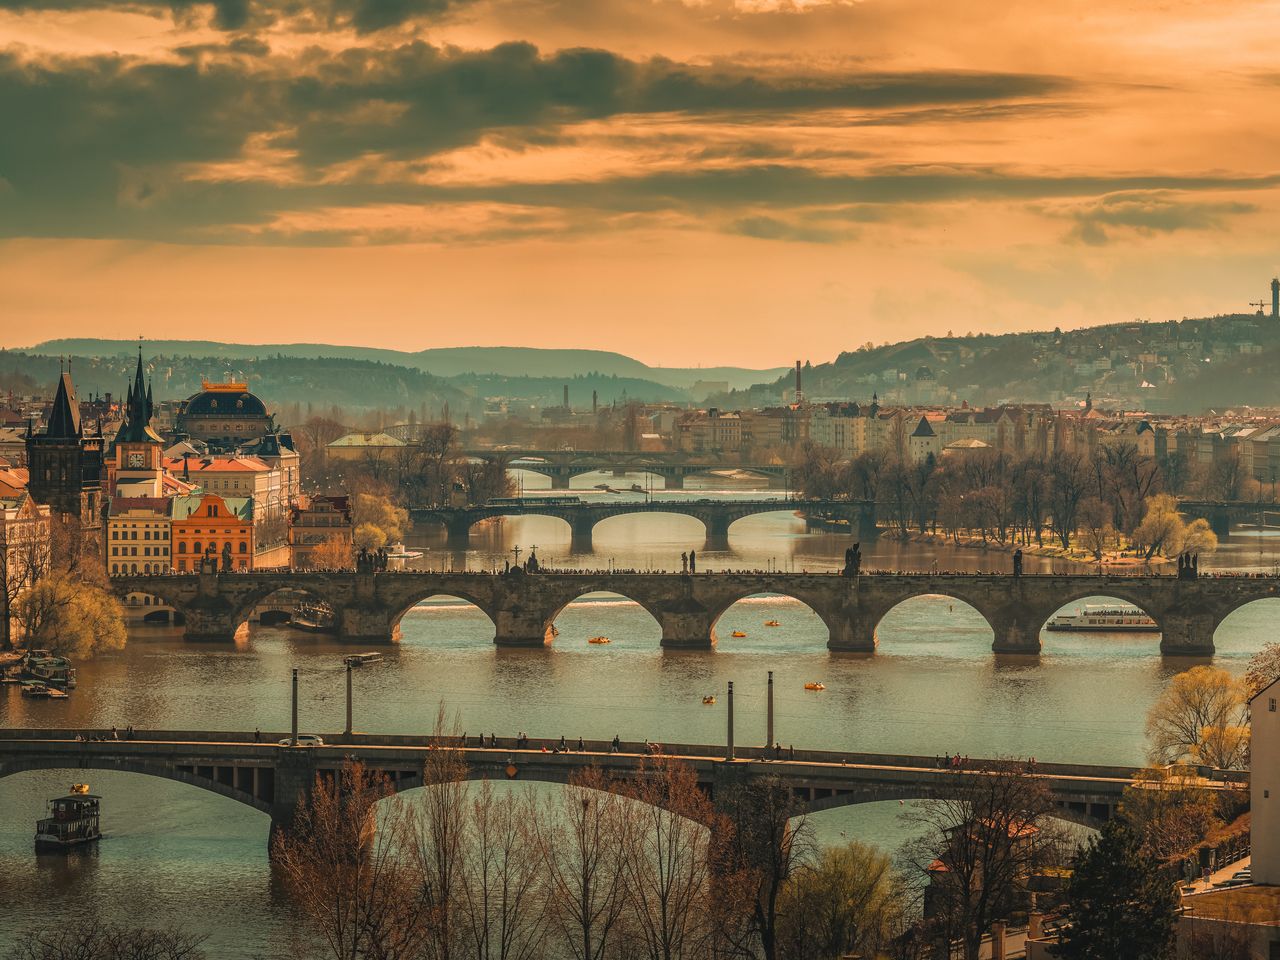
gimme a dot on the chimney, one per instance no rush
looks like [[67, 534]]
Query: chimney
[[1275, 298], [595, 400], [566, 396]]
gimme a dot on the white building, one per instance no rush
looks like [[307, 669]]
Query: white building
[[1264, 785]]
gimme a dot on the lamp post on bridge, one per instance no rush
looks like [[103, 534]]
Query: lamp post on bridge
[[768, 739], [728, 753], [293, 725], [349, 669]]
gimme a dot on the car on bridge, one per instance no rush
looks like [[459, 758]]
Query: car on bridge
[[304, 740]]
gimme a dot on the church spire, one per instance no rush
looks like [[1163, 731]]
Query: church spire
[[64, 419]]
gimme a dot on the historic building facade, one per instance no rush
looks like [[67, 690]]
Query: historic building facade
[[64, 464]]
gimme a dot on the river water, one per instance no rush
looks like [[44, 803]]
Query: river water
[[175, 854]]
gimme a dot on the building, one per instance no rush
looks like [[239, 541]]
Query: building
[[207, 525], [923, 442], [138, 536], [65, 464], [224, 415], [134, 468], [24, 550], [238, 477], [1264, 784], [321, 522], [366, 446]]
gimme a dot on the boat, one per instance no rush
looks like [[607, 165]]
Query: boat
[[53, 693], [72, 820], [362, 659], [35, 689], [44, 667], [398, 556], [709, 699], [599, 640], [636, 488], [772, 623], [814, 685], [313, 618], [737, 633], [1100, 619]]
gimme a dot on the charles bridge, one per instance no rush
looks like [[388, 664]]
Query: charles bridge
[[367, 606], [673, 466], [716, 515], [274, 779]]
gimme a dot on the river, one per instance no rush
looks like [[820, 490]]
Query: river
[[175, 854]]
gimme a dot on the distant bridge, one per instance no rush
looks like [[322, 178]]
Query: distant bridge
[[673, 466], [1222, 514], [523, 607], [716, 515], [274, 779]]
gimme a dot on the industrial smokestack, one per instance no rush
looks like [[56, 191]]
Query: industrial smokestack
[[799, 384], [566, 396], [1275, 299]]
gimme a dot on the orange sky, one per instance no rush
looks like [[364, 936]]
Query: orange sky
[[686, 181]]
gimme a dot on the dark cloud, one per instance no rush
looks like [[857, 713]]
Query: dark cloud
[[1149, 212], [364, 16]]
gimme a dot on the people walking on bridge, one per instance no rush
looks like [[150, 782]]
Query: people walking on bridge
[[693, 562], [563, 746], [617, 743]]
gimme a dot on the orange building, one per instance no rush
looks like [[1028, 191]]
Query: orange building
[[210, 525]]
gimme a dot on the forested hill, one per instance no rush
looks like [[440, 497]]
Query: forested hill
[[442, 362], [1184, 365]]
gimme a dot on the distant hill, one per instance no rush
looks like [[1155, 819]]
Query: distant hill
[[1175, 366], [442, 362]]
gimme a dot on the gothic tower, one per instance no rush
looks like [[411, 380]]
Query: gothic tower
[[65, 465], [135, 469]]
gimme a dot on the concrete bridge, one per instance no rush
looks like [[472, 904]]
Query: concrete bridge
[[1222, 514], [673, 466], [274, 779], [716, 515], [523, 607]]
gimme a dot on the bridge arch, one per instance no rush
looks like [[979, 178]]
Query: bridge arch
[[820, 621], [407, 606], [583, 599], [1249, 616], [1074, 600], [924, 615], [243, 612]]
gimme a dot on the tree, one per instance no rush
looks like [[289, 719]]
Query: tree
[[1068, 482], [68, 616], [24, 559], [580, 846], [669, 863], [1263, 670], [1201, 717], [334, 554], [348, 873], [1096, 530], [377, 521], [1119, 903], [844, 902], [1171, 813], [94, 940], [440, 840], [979, 846], [1163, 530]]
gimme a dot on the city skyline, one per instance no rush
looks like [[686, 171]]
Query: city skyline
[[681, 183]]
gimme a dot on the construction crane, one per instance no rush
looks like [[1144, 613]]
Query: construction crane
[[1260, 304]]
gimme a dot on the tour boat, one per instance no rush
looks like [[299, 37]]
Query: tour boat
[[1095, 619], [72, 820], [815, 686], [313, 618], [599, 640], [361, 659], [709, 699], [772, 623], [737, 633]]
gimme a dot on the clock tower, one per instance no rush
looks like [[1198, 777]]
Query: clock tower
[[136, 469]]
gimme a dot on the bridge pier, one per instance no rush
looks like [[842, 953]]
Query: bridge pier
[[580, 533], [1017, 630], [1187, 634], [366, 623], [852, 634], [673, 481], [687, 625], [459, 530], [294, 777], [210, 623], [520, 628], [717, 531], [560, 480]]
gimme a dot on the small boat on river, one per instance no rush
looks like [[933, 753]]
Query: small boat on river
[[1098, 619], [43, 667], [709, 699], [72, 820], [599, 640], [815, 685], [772, 623], [737, 633], [362, 659]]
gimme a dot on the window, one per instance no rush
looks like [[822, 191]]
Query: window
[[115, 568], [196, 548], [182, 546], [244, 548], [133, 552], [1271, 705], [115, 552]]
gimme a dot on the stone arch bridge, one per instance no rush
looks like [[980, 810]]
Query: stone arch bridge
[[716, 515], [673, 466], [523, 607], [274, 779]]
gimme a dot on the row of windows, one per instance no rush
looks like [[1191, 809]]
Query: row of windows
[[133, 534], [198, 547], [146, 552], [133, 568]]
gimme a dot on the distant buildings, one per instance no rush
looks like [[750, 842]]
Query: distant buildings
[[224, 415], [321, 532]]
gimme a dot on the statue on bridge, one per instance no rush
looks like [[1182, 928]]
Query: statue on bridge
[[1017, 562], [693, 562], [531, 565], [852, 561], [684, 562], [1188, 566]]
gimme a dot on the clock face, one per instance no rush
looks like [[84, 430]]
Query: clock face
[[137, 460]]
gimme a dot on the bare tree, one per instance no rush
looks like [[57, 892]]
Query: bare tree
[[348, 873], [504, 899], [94, 940], [440, 839], [580, 840], [979, 846]]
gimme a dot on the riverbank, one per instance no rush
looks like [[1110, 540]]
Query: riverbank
[[1048, 550]]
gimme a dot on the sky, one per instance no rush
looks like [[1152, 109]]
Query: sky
[[690, 182]]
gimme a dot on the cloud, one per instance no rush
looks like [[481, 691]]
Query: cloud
[[1147, 213]]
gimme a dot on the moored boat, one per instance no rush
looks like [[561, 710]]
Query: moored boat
[[43, 667], [1099, 619], [72, 820], [313, 618], [362, 659]]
